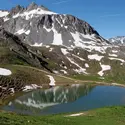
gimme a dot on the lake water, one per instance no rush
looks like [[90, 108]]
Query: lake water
[[74, 98]]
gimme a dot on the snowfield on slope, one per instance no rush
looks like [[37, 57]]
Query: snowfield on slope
[[37, 44], [21, 31], [95, 57], [52, 80], [3, 13], [121, 60], [104, 68], [80, 70], [5, 72], [64, 51], [31, 87], [29, 14], [113, 55]]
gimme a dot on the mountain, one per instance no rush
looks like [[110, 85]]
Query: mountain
[[35, 42], [37, 26], [119, 40]]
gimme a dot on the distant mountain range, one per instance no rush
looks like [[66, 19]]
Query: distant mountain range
[[119, 40]]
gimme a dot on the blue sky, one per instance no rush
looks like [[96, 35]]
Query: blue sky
[[106, 16]]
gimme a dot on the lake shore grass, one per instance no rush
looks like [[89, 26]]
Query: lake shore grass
[[102, 116]]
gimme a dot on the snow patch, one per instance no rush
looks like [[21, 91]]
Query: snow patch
[[65, 72], [5, 72], [78, 57], [65, 67], [64, 51], [51, 49], [57, 38], [90, 44], [31, 87], [3, 13], [37, 44], [6, 19], [104, 68], [27, 32], [113, 55], [121, 60], [95, 57], [78, 114], [52, 80], [56, 72], [80, 70], [78, 53], [114, 51], [86, 65], [21, 31], [47, 46], [48, 30]]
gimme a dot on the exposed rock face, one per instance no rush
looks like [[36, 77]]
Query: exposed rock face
[[37, 26], [16, 10], [119, 40], [21, 50]]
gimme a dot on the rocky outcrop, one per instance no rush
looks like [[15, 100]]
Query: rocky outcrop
[[23, 51]]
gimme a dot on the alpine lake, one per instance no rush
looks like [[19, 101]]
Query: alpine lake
[[65, 99]]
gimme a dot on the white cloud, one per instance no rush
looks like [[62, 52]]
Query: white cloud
[[60, 2], [111, 15]]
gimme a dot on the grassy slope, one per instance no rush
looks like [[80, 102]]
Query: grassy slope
[[104, 116], [26, 75], [117, 74], [32, 75]]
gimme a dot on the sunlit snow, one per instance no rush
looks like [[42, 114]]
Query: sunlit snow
[[104, 68], [30, 14], [5, 72], [52, 80], [3, 13], [95, 57]]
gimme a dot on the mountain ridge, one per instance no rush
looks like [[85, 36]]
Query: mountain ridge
[[37, 26], [118, 40]]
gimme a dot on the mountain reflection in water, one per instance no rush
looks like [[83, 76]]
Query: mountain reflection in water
[[37, 100]]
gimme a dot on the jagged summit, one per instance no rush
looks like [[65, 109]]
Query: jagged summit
[[33, 6], [30, 10], [16, 10]]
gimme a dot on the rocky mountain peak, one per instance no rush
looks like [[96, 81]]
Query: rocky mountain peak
[[33, 6], [37, 26], [16, 10]]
